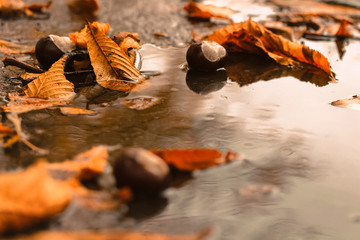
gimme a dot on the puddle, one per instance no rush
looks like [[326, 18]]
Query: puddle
[[298, 180]]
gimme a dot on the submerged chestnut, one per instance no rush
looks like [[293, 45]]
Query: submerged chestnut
[[51, 48], [206, 56], [142, 171]]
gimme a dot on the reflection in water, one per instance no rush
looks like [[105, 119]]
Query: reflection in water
[[341, 45], [248, 68], [206, 82]]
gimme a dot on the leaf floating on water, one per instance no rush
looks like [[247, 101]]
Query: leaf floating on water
[[79, 38], [14, 48], [352, 103], [140, 103], [7, 136], [76, 111], [84, 6], [343, 30], [251, 37], [112, 67], [194, 159], [207, 11], [30, 196]]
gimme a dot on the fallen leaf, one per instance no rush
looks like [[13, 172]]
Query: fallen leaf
[[30, 196], [84, 166], [193, 159], [352, 103], [11, 6], [76, 111], [36, 7], [160, 34], [14, 48], [113, 234], [207, 11], [84, 6], [7, 136], [113, 68], [254, 38], [140, 103], [22, 104], [79, 38], [343, 30]]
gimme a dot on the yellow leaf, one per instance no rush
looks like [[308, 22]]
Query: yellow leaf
[[112, 67], [254, 38], [79, 38], [9, 47]]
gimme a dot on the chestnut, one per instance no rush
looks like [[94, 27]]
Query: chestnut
[[51, 48], [206, 56], [141, 170]]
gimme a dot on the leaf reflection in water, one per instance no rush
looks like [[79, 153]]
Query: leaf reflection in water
[[246, 69]]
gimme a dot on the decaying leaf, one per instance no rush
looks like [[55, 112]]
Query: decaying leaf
[[85, 165], [79, 38], [84, 6], [30, 196], [206, 11], [140, 103], [251, 37], [7, 136], [114, 234], [113, 68], [49, 89], [352, 103], [193, 159], [76, 111], [14, 48]]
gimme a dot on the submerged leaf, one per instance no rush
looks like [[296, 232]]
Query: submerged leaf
[[251, 37], [193, 159], [9, 47], [79, 38], [352, 103], [140, 103], [30, 196], [112, 67], [75, 111], [207, 11]]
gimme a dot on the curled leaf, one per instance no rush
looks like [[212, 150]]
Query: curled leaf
[[9, 47], [207, 11], [112, 67], [251, 37], [79, 38]]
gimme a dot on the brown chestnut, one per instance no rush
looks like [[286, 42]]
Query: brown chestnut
[[141, 170], [51, 48], [206, 56]]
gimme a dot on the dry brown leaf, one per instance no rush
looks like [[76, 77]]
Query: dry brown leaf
[[254, 38], [76, 111], [140, 103], [193, 159], [207, 11], [85, 165], [13, 48], [352, 103], [7, 136], [114, 234], [112, 67], [30, 196], [79, 38], [84, 6], [127, 40]]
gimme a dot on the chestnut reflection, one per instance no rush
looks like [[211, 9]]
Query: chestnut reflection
[[206, 82]]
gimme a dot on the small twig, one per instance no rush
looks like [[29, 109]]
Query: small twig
[[9, 61]]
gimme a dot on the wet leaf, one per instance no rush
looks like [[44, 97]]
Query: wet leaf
[[30, 196], [343, 30], [112, 67], [84, 166], [251, 37], [114, 234], [352, 103], [79, 38], [76, 111], [84, 6], [14, 48], [207, 11], [22, 104], [7, 136], [193, 159], [140, 103]]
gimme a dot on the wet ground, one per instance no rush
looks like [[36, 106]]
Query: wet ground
[[301, 168]]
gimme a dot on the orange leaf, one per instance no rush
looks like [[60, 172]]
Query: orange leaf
[[79, 38], [343, 31], [27, 197], [7, 6], [192, 159], [206, 11], [252, 37], [9, 47], [84, 6], [39, 7], [113, 234], [7, 136], [140, 103], [75, 111], [112, 67]]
